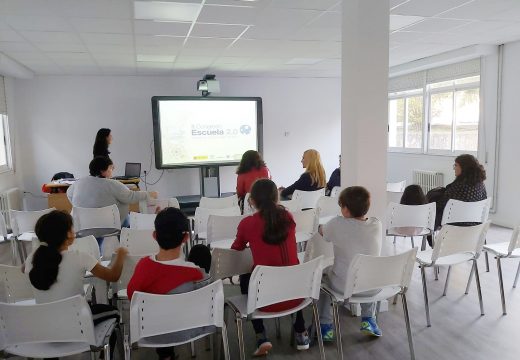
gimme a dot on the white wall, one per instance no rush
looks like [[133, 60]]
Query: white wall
[[508, 196], [58, 117], [8, 179]]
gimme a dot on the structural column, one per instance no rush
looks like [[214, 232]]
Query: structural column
[[364, 98]]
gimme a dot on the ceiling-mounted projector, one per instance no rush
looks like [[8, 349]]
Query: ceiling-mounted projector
[[208, 85]]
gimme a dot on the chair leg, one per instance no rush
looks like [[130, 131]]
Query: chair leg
[[14, 253], [337, 329], [516, 277], [225, 342], [487, 257], [479, 290], [408, 328], [208, 341], [192, 349], [501, 283], [318, 329], [447, 280], [470, 279], [106, 351], [423, 244], [128, 349], [240, 334], [120, 341], [394, 239], [425, 292], [277, 325], [413, 244], [395, 300]]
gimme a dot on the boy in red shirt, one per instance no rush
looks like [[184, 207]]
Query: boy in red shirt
[[166, 271]]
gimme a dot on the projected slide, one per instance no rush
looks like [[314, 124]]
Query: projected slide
[[196, 132]]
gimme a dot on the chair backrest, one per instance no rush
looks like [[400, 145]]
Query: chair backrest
[[127, 273], [291, 205], [248, 209], [202, 215], [317, 247], [103, 217], [147, 311], [64, 321], [336, 190], [3, 227], [418, 216], [396, 186], [306, 221], [308, 199], [393, 197], [140, 221], [227, 263], [174, 202], [328, 206], [273, 284], [218, 203], [87, 244], [24, 221], [376, 272], [462, 211], [223, 227], [453, 239], [514, 243], [138, 241], [15, 284], [150, 206]]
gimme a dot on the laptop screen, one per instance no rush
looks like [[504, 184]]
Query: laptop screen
[[133, 169]]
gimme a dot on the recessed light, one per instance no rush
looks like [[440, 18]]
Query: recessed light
[[303, 61], [166, 11]]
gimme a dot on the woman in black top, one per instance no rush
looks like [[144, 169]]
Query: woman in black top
[[468, 184], [103, 140], [312, 179]]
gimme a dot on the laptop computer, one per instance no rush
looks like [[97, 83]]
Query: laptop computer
[[132, 171]]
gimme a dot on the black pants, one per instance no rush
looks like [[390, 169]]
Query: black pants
[[258, 324]]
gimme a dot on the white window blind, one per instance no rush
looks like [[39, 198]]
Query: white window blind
[[406, 82], [3, 101]]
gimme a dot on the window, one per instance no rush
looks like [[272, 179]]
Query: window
[[5, 163], [435, 111]]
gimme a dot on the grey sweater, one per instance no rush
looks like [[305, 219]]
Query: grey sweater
[[96, 192]]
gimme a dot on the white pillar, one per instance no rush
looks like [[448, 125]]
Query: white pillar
[[364, 98]]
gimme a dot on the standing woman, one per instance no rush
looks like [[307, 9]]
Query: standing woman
[[271, 236], [251, 168], [312, 179], [103, 140]]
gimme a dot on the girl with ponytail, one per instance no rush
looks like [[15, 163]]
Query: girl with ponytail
[[271, 235], [56, 272]]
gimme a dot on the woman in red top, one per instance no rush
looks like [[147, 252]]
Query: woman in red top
[[271, 235], [251, 168]]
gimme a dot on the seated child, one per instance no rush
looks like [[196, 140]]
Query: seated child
[[351, 234], [412, 195], [166, 271]]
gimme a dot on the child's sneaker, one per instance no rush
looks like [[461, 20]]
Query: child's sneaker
[[369, 326], [327, 332], [263, 347], [302, 340]]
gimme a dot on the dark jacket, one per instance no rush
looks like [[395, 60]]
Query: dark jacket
[[304, 183]]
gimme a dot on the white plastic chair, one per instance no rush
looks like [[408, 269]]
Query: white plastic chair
[[453, 245], [150, 206], [389, 274], [222, 230], [336, 190], [6, 237], [87, 244], [54, 329], [16, 287], [227, 263], [248, 209], [22, 224], [291, 205], [138, 242], [274, 284], [140, 221], [506, 250], [461, 211], [147, 316], [410, 220], [306, 225], [129, 265], [91, 218], [202, 215], [308, 199], [218, 203], [317, 247], [393, 197], [396, 186], [328, 208]]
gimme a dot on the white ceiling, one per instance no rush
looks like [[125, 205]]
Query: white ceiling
[[233, 37]]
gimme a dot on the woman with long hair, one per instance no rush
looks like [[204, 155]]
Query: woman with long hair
[[312, 179], [102, 142], [251, 168], [271, 236]]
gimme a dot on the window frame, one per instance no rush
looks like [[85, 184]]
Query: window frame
[[6, 142]]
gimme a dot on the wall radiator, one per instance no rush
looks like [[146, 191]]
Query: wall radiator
[[428, 180], [10, 200]]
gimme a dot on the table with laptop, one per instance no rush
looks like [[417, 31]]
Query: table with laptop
[[58, 197]]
